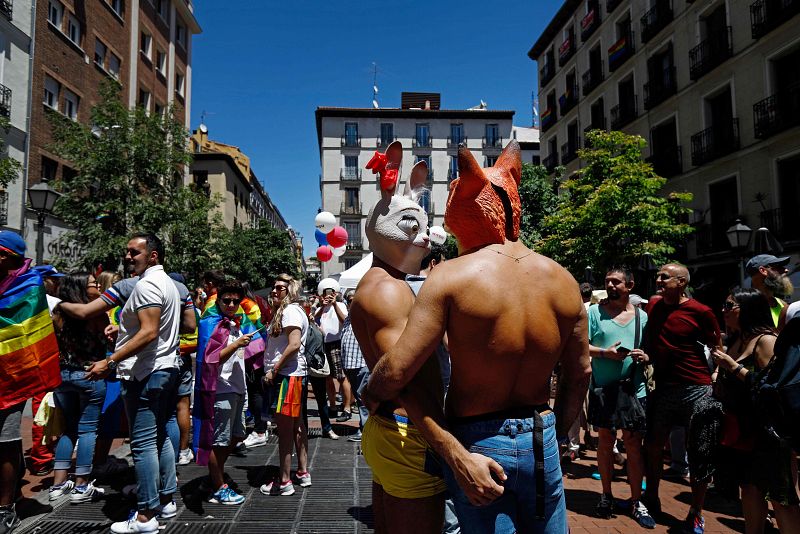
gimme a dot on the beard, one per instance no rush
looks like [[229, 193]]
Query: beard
[[777, 285], [613, 296]]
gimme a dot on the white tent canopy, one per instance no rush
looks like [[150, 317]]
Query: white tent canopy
[[350, 278]]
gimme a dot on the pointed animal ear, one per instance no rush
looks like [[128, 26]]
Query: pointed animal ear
[[471, 179], [511, 161], [394, 153], [419, 175]]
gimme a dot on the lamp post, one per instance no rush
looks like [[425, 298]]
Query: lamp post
[[739, 237], [42, 199]]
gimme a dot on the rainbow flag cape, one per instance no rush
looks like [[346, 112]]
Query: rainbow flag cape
[[188, 342], [28, 347], [213, 333]]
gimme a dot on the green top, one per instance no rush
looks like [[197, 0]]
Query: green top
[[776, 311], [604, 332]]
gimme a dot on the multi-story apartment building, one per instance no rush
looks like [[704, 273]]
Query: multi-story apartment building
[[528, 139], [714, 89], [145, 45], [348, 137], [16, 31]]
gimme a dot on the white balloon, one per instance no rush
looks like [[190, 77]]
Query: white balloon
[[437, 234], [338, 251], [325, 221], [328, 283]]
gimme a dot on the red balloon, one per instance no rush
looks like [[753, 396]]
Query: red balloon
[[337, 237], [324, 253]]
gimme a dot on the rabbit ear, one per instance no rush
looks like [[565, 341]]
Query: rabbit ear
[[510, 161], [471, 179], [419, 175], [394, 153]]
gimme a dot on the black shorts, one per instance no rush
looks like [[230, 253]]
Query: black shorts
[[601, 416]]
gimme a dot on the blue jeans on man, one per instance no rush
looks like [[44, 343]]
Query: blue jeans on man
[[81, 402], [358, 379], [149, 404]]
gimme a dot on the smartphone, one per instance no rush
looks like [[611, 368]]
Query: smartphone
[[328, 291], [707, 352], [623, 350]]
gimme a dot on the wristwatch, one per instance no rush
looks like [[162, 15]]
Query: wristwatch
[[112, 365]]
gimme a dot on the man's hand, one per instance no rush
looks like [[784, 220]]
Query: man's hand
[[612, 354], [369, 401], [243, 341], [111, 332], [639, 356], [98, 370], [473, 473]]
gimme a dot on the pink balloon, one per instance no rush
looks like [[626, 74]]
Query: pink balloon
[[324, 253], [337, 237]]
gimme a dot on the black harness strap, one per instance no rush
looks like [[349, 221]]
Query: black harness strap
[[538, 469]]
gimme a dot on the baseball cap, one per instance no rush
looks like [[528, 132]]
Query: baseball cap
[[762, 260], [12, 242]]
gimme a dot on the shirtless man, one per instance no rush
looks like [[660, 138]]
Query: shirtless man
[[408, 489], [510, 316]]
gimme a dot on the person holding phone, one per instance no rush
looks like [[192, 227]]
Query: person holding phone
[[330, 316]]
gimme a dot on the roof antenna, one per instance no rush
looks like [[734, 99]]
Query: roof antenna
[[375, 85]]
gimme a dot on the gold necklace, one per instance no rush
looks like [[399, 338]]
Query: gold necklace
[[516, 259]]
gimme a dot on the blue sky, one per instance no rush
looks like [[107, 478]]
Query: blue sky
[[261, 68]]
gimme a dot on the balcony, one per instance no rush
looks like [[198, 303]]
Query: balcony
[[656, 19], [546, 74], [568, 100], [710, 239], [590, 23], [715, 142], [351, 208], [383, 142], [667, 163], [620, 52], [569, 151], [422, 142], [351, 141], [455, 142], [611, 5], [566, 50], [777, 112], [354, 244], [781, 228], [592, 78], [624, 113], [711, 53], [5, 101], [661, 88], [548, 119], [766, 15], [350, 174], [550, 162], [492, 142], [7, 10]]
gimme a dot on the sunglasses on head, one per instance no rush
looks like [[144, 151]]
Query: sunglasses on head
[[231, 302]]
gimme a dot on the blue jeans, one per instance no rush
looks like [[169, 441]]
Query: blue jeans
[[510, 443], [149, 405], [358, 381], [80, 401]]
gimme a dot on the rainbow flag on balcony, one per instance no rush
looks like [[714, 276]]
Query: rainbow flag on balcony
[[28, 346], [617, 50]]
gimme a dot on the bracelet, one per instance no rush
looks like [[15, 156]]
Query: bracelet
[[738, 369]]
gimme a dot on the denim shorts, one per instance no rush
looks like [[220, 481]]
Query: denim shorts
[[510, 442], [185, 376], [228, 418]]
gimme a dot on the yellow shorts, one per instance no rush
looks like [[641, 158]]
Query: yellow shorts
[[400, 459]]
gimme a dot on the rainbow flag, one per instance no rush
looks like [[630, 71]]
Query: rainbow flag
[[28, 347], [617, 49]]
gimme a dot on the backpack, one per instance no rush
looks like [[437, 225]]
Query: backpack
[[776, 389], [315, 352]]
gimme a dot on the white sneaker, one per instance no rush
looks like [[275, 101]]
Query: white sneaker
[[255, 440], [185, 457], [276, 488], [56, 492], [304, 480], [331, 434], [86, 493], [133, 526], [167, 511]]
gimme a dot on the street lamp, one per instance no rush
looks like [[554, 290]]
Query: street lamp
[[42, 199], [764, 242], [739, 237]]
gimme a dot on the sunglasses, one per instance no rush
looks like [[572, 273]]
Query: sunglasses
[[278, 289], [728, 305], [230, 302], [664, 277]]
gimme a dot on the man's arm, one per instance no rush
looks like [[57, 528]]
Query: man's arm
[[85, 311], [575, 373], [188, 321], [149, 322]]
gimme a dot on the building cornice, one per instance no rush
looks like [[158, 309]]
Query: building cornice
[[564, 14]]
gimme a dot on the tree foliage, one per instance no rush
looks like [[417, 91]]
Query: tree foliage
[[539, 200], [613, 210], [257, 254], [9, 167]]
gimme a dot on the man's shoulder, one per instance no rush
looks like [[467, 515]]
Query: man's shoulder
[[378, 291], [697, 306]]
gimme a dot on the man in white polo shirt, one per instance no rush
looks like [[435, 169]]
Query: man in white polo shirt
[[146, 362]]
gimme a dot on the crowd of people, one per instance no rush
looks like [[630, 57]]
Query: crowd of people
[[448, 363]]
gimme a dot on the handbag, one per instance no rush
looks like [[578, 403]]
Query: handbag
[[314, 351]]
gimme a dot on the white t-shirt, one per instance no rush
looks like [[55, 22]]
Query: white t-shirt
[[154, 290], [295, 365], [792, 311], [330, 324], [231, 374]]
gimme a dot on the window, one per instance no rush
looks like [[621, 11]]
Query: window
[[144, 99], [353, 233], [427, 160], [100, 52], [117, 6], [161, 62], [492, 134], [114, 65], [161, 7], [490, 161], [71, 104], [351, 197], [180, 34], [74, 30], [179, 83], [423, 133], [146, 45], [55, 13], [351, 166], [452, 173], [49, 169], [159, 109], [387, 133], [351, 262], [351, 134], [51, 91], [456, 133]]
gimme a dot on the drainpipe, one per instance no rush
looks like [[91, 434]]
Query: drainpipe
[[27, 156]]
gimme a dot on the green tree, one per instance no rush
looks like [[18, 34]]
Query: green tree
[[539, 199], [257, 254], [613, 210], [9, 167]]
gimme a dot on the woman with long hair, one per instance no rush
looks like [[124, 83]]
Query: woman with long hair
[[764, 470], [80, 344], [286, 382]]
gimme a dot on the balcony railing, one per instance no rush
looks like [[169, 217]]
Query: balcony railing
[[5, 101], [566, 50], [661, 88], [620, 52], [550, 162], [656, 19], [766, 15], [590, 23], [351, 140], [546, 74], [624, 113], [568, 100], [422, 142], [548, 118], [355, 244], [569, 151], [454, 142], [7, 9], [383, 142], [777, 112], [611, 5], [781, 228], [592, 78], [492, 142], [352, 174], [668, 162], [710, 239], [715, 142], [351, 209], [3, 208], [710, 53]]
